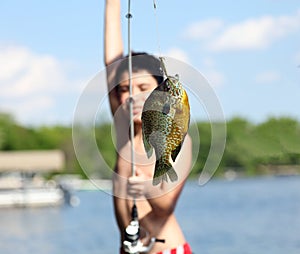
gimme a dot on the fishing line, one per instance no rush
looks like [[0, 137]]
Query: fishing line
[[161, 58], [156, 28]]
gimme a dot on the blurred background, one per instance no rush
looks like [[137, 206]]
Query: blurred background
[[250, 55]]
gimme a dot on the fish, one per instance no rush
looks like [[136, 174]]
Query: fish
[[165, 123]]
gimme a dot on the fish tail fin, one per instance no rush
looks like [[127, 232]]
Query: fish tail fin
[[172, 174], [163, 168]]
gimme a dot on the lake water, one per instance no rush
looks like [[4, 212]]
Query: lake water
[[260, 215]]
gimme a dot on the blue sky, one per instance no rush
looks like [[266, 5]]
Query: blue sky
[[250, 53]]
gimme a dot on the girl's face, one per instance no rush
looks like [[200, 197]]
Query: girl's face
[[143, 84]]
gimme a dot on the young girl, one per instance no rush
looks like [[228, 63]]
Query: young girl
[[155, 204]]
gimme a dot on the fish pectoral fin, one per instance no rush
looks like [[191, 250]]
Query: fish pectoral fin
[[149, 152], [176, 151], [162, 170], [148, 147]]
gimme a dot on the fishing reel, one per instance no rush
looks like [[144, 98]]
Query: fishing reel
[[132, 243]]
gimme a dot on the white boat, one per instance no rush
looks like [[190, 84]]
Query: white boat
[[35, 197], [21, 191], [21, 185]]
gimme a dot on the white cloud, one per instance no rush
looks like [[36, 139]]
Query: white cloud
[[178, 54], [12, 61], [26, 73], [256, 33], [33, 84], [214, 77], [253, 33], [267, 77], [31, 110], [203, 29]]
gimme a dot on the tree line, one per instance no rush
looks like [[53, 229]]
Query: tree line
[[250, 148]]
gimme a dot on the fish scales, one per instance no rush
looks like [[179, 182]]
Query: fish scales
[[165, 122]]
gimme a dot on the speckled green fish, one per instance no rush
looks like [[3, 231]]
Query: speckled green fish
[[165, 122]]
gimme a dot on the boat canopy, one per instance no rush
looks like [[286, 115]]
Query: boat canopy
[[32, 160]]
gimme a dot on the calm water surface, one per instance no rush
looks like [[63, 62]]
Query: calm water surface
[[244, 216]]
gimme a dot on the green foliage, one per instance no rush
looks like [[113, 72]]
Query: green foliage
[[104, 139], [238, 137], [200, 151], [16, 137], [249, 147]]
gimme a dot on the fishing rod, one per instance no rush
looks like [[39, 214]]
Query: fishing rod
[[132, 243], [129, 16], [132, 231]]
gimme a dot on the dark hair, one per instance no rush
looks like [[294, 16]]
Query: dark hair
[[141, 61]]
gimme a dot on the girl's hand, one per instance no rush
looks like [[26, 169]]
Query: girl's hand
[[136, 184]]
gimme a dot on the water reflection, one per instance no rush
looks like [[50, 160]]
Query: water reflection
[[242, 216]]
